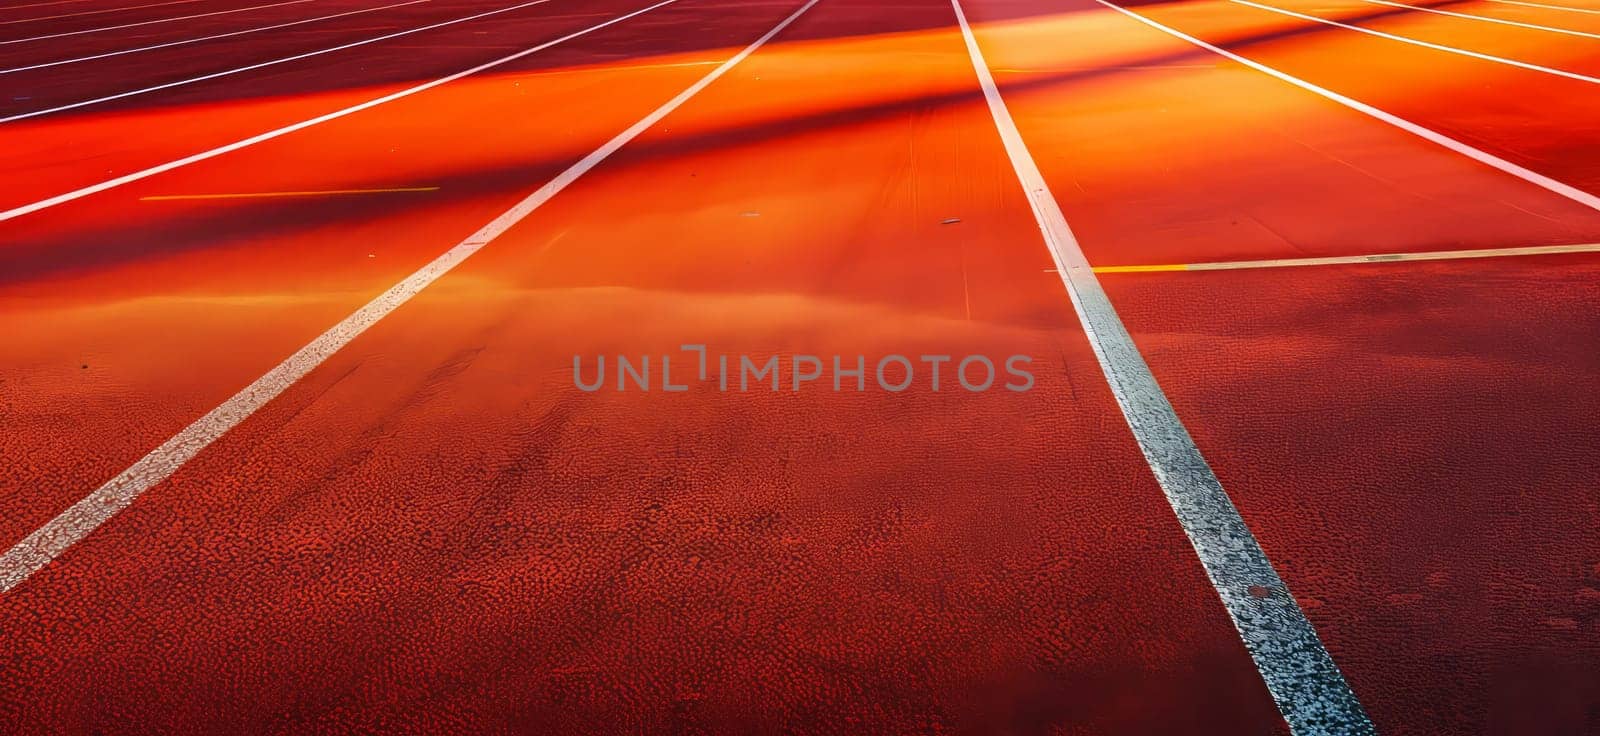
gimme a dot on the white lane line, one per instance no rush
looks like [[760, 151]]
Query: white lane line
[[1484, 157], [1550, 7], [77, 522], [1424, 44], [1485, 19], [148, 22], [1301, 676], [231, 34], [264, 64], [16, 212], [97, 12]]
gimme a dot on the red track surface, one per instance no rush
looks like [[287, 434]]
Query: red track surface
[[436, 532]]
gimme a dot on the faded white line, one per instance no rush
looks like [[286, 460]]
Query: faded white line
[[1486, 19], [302, 125], [1532, 177], [149, 22], [264, 64], [186, 41], [1424, 44], [77, 522], [1524, 3], [1302, 678]]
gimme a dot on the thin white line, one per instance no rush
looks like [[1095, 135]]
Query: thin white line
[[287, 129], [1532, 177], [273, 62], [170, 44], [77, 522], [1301, 676], [1551, 7], [1424, 44], [40, 5], [148, 22], [96, 12], [1485, 19]]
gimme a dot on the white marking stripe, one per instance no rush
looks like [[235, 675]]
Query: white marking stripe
[[148, 22], [77, 522], [287, 129], [1485, 19], [1424, 44], [1532, 177], [1302, 678], [1542, 5], [264, 64], [231, 34]]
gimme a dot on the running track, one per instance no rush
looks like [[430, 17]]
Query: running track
[[420, 525]]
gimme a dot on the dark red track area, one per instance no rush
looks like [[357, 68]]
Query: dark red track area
[[435, 531], [1424, 474]]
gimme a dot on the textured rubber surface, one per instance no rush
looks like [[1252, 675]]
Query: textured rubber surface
[[436, 532], [1424, 475]]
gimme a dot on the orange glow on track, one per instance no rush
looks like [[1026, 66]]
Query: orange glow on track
[[437, 499]]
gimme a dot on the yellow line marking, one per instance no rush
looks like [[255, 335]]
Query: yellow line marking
[[1437, 255], [260, 195], [1142, 269]]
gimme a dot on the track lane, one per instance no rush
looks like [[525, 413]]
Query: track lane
[[1202, 177], [22, 50], [1538, 50], [1489, 17], [190, 36], [574, 556], [73, 20], [63, 154], [237, 66], [29, 52], [1371, 421], [1567, 11], [1548, 124], [142, 292]]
